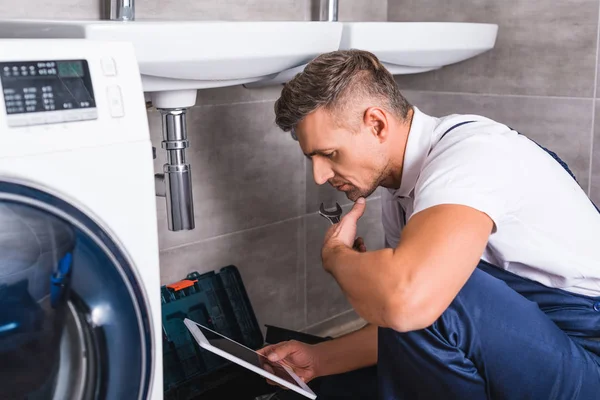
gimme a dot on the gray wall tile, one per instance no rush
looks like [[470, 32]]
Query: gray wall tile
[[595, 178], [324, 297], [562, 125], [227, 10], [541, 49], [245, 171], [51, 9], [270, 260], [361, 10]]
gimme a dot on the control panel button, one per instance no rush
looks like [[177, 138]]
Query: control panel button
[[108, 66], [115, 101], [70, 116], [16, 121], [55, 118], [87, 115], [37, 119]]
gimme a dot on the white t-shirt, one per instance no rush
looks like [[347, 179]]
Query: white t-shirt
[[546, 228]]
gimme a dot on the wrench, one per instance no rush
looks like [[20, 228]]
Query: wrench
[[332, 216]]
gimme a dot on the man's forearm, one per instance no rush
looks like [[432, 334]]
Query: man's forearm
[[349, 352], [367, 280], [410, 287]]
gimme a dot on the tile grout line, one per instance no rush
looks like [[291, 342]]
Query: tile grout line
[[304, 229], [589, 188], [300, 279], [501, 95], [237, 103], [224, 235], [305, 291], [329, 319]]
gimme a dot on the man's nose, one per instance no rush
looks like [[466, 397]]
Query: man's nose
[[321, 171]]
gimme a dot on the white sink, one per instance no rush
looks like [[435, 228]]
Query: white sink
[[189, 55], [413, 47], [409, 47]]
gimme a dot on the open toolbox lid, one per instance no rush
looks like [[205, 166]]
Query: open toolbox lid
[[217, 300]]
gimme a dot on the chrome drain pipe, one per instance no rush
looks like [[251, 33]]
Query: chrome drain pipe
[[175, 183]]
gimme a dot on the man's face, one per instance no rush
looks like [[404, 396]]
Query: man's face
[[352, 162]]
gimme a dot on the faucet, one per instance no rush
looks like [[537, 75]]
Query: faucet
[[329, 10], [120, 10]]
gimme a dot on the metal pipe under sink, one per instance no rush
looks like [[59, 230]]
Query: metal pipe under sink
[[175, 184]]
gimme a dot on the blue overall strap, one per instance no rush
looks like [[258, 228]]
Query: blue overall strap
[[451, 129], [454, 127]]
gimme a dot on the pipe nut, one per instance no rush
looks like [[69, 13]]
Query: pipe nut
[[175, 144]]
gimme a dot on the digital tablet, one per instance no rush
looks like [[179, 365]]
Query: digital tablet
[[248, 358]]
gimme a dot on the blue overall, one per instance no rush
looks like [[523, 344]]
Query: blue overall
[[502, 337]]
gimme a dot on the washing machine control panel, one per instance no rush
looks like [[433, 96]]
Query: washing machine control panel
[[47, 91], [67, 94]]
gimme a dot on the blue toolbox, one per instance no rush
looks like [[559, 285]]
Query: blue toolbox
[[217, 300]]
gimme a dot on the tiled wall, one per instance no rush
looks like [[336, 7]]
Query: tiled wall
[[540, 79], [254, 198]]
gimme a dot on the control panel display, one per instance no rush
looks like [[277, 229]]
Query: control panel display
[[60, 86]]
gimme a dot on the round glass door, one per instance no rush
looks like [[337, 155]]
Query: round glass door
[[73, 316]]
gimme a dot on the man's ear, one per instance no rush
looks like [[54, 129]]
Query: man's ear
[[376, 120]]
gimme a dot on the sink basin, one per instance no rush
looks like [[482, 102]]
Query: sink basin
[[413, 47], [409, 47], [184, 55]]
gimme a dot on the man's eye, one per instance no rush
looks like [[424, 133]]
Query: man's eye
[[329, 155]]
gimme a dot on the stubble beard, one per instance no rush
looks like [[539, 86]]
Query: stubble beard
[[355, 193]]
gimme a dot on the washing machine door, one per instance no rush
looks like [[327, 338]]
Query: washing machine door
[[73, 317]]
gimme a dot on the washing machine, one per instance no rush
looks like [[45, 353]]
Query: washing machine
[[79, 266]]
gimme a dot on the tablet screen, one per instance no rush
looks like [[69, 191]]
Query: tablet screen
[[244, 353]]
